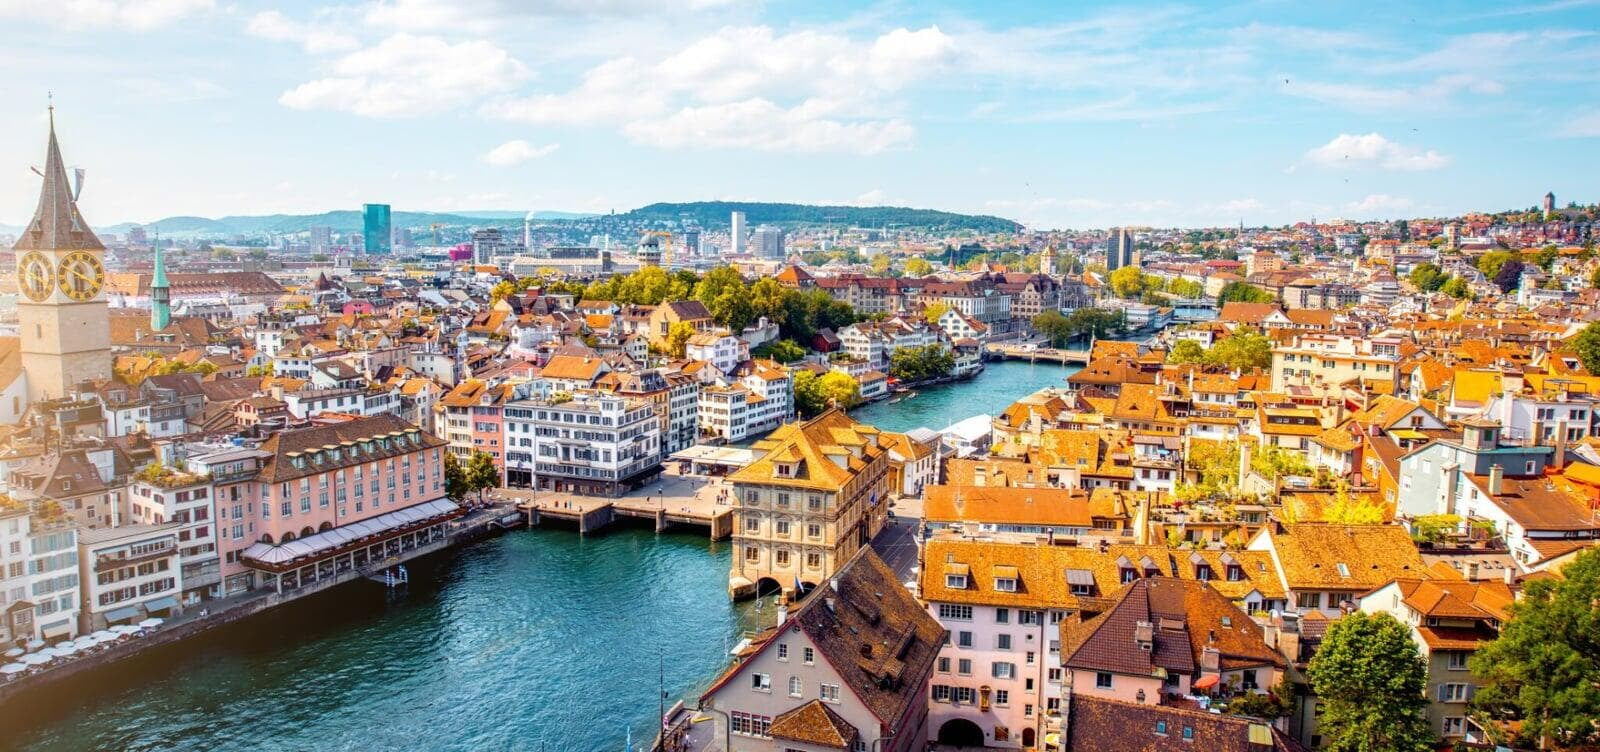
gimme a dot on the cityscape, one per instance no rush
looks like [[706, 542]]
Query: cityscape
[[566, 443]]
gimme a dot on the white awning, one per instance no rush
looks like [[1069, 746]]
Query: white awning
[[329, 540]]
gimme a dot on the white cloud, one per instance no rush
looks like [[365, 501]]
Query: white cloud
[[313, 37], [1373, 150], [138, 15], [409, 75], [761, 125], [1586, 125], [516, 152], [1378, 203], [1431, 95], [483, 15], [749, 87]]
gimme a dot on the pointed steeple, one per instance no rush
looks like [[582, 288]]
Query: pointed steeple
[[160, 300], [56, 224]]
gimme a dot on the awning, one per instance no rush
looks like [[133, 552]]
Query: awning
[[330, 540], [1206, 682], [1080, 577], [125, 613], [161, 604], [52, 631]]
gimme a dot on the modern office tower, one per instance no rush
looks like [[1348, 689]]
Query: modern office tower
[[376, 231], [321, 239], [1119, 249], [767, 242], [736, 244], [486, 244], [691, 243]]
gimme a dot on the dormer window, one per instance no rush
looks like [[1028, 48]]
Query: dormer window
[[1235, 573], [1005, 584], [1203, 572], [955, 581], [1344, 571]]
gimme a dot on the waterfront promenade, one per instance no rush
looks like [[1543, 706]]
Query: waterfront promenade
[[670, 499]]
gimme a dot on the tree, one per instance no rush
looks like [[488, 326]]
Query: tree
[[1244, 292], [1275, 462], [1276, 703], [766, 299], [918, 266], [1127, 282], [1434, 528], [1546, 257], [503, 289], [934, 311], [1186, 351], [1370, 679], [1217, 463], [920, 363], [1427, 277], [481, 473], [1455, 288], [1543, 670], [783, 351], [813, 394], [881, 264], [1186, 288], [678, 338], [456, 484], [1243, 350], [1509, 276], [1490, 263], [1587, 345]]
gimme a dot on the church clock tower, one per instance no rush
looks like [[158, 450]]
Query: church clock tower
[[61, 311]]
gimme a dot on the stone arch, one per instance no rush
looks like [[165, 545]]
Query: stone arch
[[960, 732]]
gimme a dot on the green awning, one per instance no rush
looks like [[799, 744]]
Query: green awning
[[125, 613], [161, 604]]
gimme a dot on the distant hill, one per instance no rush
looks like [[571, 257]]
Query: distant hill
[[340, 221], [717, 214]]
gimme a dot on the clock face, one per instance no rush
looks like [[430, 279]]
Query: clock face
[[35, 277], [80, 276]]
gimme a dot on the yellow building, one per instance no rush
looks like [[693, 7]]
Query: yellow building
[[817, 493]]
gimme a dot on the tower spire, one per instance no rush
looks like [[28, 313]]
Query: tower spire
[[160, 294], [56, 224]]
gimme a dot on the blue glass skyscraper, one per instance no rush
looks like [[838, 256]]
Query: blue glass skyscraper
[[375, 229]]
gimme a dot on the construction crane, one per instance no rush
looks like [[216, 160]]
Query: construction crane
[[662, 255]]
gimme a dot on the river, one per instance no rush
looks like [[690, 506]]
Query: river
[[935, 407], [536, 639]]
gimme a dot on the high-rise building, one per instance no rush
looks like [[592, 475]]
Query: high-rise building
[[691, 243], [736, 234], [376, 231], [137, 236], [321, 239], [61, 313], [486, 244], [1119, 249], [767, 242], [1549, 204]]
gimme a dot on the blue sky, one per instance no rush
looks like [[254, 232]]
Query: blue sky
[[1052, 113]]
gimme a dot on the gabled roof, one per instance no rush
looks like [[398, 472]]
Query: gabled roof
[[1332, 556], [56, 223], [815, 723]]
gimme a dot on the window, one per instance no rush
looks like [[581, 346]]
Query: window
[[1188, 733], [783, 651], [1102, 680], [941, 693], [954, 611], [795, 686], [1161, 728], [1002, 642], [1308, 600], [1002, 697], [1453, 726], [964, 667], [1002, 616], [745, 724], [1454, 692], [828, 692], [964, 639], [1030, 617], [1003, 670], [966, 694], [944, 665], [1005, 584], [808, 656], [761, 682], [955, 581], [1456, 660], [782, 527]]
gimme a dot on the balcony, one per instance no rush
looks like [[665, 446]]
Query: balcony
[[123, 558]]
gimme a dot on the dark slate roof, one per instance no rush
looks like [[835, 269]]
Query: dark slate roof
[[56, 224], [1100, 725]]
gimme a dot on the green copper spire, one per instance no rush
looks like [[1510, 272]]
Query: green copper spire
[[160, 302]]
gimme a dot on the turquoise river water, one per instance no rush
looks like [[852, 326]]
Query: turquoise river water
[[534, 640]]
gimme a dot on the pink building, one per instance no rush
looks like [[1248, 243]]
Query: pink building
[[233, 478], [346, 497]]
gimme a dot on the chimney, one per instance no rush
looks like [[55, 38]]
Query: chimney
[[1510, 575], [1210, 660], [1144, 634], [783, 613], [1560, 460], [1496, 476], [980, 475]]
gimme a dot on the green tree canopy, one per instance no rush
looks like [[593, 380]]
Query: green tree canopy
[[783, 351], [1427, 277], [933, 311], [919, 363], [1244, 292], [1490, 263], [1186, 351], [1370, 679], [813, 394], [1244, 349], [481, 473], [918, 266], [1543, 671], [1456, 288], [1127, 282]]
